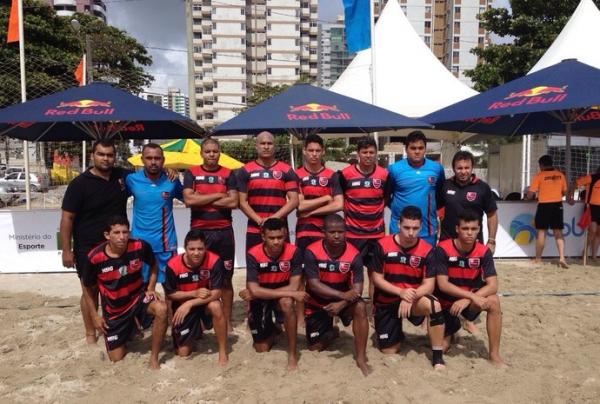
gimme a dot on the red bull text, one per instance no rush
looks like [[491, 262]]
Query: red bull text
[[314, 111], [81, 107], [532, 96]]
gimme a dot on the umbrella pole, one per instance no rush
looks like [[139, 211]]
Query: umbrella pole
[[585, 247], [83, 156], [568, 153]]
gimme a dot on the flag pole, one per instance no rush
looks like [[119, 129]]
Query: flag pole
[[373, 86], [83, 144]]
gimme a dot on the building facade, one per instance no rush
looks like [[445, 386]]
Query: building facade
[[235, 44], [174, 100], [333, 53], [66, 8]]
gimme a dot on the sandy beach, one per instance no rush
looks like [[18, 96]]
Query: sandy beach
[[552, 344]]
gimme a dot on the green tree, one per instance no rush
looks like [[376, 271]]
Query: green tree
[[533, 24]]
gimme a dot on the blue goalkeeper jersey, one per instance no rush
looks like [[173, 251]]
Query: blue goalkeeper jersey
[[153, 209], [416, 186]]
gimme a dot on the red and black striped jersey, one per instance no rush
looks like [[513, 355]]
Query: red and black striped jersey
[[364, 201], [273, 272], [182, 278], [339, 273], [119, 279], [465, 270], [205, 182], [312, 186], [267, 188], [403, 268]]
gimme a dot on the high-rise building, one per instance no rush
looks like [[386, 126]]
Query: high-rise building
[[173, 100], [234, 44], [67, 8], [449, 27], [333, 53]]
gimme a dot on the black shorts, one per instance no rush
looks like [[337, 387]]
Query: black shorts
[[191, 328], [320, 323], [303, 242], [222, 243], [260, 319], [549, 216], [80, 258], [122, 328], [453, 322], [367, 248], [595, 213], [388, 325]]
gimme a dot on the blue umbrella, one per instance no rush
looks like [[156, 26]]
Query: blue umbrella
[[95, 111], [304, 109]]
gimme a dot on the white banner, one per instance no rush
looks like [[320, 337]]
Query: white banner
[[31, 242]]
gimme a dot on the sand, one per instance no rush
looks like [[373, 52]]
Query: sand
[[552, 344]]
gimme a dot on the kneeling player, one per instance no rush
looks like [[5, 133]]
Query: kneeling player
[[194, 285], [404, 278], [467, 283], [273, 271], [334, 271], [115, 267]]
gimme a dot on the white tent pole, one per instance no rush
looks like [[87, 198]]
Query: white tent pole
[[568, 153], [373, 84], [24, 99], [83, 144], [523, 165], [528, 176]]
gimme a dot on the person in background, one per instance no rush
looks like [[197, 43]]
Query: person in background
[[591, 197]]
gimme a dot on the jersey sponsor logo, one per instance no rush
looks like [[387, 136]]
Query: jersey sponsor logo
[[451, 192], [331, 267], [314, 334], [474, 263], [344, 267], [313, 182], [383, 336], [274, 268], [414, 261], [376, 183], [431, 179], [471, 196], [355, 184], [183, 275], [195, 278], [254, 175], [322, 265], [211, 180], [285, 266], [264, 264], [204, 274], [228, 264], [165, 195], [323, 181], [199, 178], [277, 174], [184, 332], [136, 264], [367, 184], [392, 254], [107, 269], [112, 338], [265, 175], [452, 259], [306, 178]]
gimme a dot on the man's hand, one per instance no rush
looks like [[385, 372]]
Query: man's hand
[[172, 174], [408, 294], [459, 305], [481, 302], [245, 295], [202, 293], [491, 246], [350, 295], [404, 309], [152, 295], [68, 259], [334, 308], [100, 324], [180, 313], [300, 296]]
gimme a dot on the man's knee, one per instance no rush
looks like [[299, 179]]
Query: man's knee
[[215, 309], [286, 304], [494, 301], [117, 354], [262, 347], [360, 310], [159, 310]]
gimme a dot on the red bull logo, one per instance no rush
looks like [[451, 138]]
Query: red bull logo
[[532, 96], [81, 107], [315, 111]]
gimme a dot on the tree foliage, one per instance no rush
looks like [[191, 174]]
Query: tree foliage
[[533, 24]]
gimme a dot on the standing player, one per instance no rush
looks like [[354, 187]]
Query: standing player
[[467, 283], [115, 268], [273, 272], [414, 181], [267, 188], [194, 285], [404, 280], [90, 200], [591, 182], [366, 188], [334, 271], [153, 194], [210, 190], [550, 186]]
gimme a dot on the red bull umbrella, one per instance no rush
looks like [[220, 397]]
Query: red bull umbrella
[[91, 112], [304, 109]]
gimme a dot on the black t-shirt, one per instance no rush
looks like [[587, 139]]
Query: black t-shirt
[[476, 195], [94, 200]]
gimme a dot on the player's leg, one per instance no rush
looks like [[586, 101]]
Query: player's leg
[[360, 328], [260, 322], [541, 222], [158, 309], [187, 332], [215, 309], [286, 305], [430, 307], [319, 329], [540, 240], [222, 243], [494, 329], [560, 246], [86, 314], [451, 327], [595, 233], [388, 328]]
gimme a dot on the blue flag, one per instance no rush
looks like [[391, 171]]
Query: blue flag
[[357, 16]]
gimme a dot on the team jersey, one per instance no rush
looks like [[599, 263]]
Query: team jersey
[[267, 188], [416, 186], [153, 209], [587, 180], [339, 273], [119, 279], [550, 186], [364, 201], [183, 278], [312, 186], [402, 268], [465, 270], [476, 195], [202, 181], [273, 272]]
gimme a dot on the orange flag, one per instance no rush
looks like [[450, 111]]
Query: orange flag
[[13, 23], [79, 71]]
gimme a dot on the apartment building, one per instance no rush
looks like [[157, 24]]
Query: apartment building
[[333, 53], [67, 8], [173, 100]]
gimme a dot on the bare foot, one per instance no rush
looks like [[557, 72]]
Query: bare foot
[[535, 261], [439, 366], [470, 327], [563, 264], [497, 361], [223, 359], [292, 363], [154, 365], [91, 338], [364, 367]]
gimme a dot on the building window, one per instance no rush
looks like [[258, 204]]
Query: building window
[[427, 24], [297, 71], [243, 100], [214, 25], [297, 42], [197, 49], [268, 56], [427, 9], [215, 84], [269, 71], [268, 27], [427, 40], [297, 27], [269, 12], [243, 70], [243, 26], [269, 42], [457, 10], [197, 35], [456, 39], [243, 85], [457, 25], [243, 40], [216, 98], [403, 9], [242, 11], [197, 7]]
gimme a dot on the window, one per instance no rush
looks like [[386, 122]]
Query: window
[[427, 24], [268, 56], [242, 11], [269, 42], [197, 49], [297, 42], [269, 71], [269, 12], [456, 39], [243, 26], [480, 40], [297, 71], [455, 54], [403, 9], [243, 41], [427, 40], [197, 21], [243, 70], [428, 9], [457, 10], [199, 90], [243, 100], [197, 35], [214, 24], [216, 98], [457, 25], [197, 7], [297, 27], [268, 27], [215, 84], [243, 85]]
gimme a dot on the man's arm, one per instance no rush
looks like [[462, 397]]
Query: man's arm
[[309, 205], [381, 283], [247, 209], [192, 198], [336, 205], [290, 290], [66, 232], [290, 205], [228, 202], [492, 225]]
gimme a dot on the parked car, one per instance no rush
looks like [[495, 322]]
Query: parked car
[[39, 182], [8, 194]]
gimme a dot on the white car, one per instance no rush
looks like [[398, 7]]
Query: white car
[[39, 182]]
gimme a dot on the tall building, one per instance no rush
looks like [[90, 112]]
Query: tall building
[[449, 27], [333, 54], [235, 44], [173, 100], [67, 8]]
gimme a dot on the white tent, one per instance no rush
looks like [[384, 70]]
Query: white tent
[[409, 79], [577, 40]]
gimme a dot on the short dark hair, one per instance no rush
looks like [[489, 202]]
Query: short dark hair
[[194, 235], [463, 155], [151, 146], [273, 223], [208, 141], [365, 142], [104, 143], [415, 136], [411, 212], [546, 161], [314, 138], [115, 220], [468, 215], [333, 219]]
